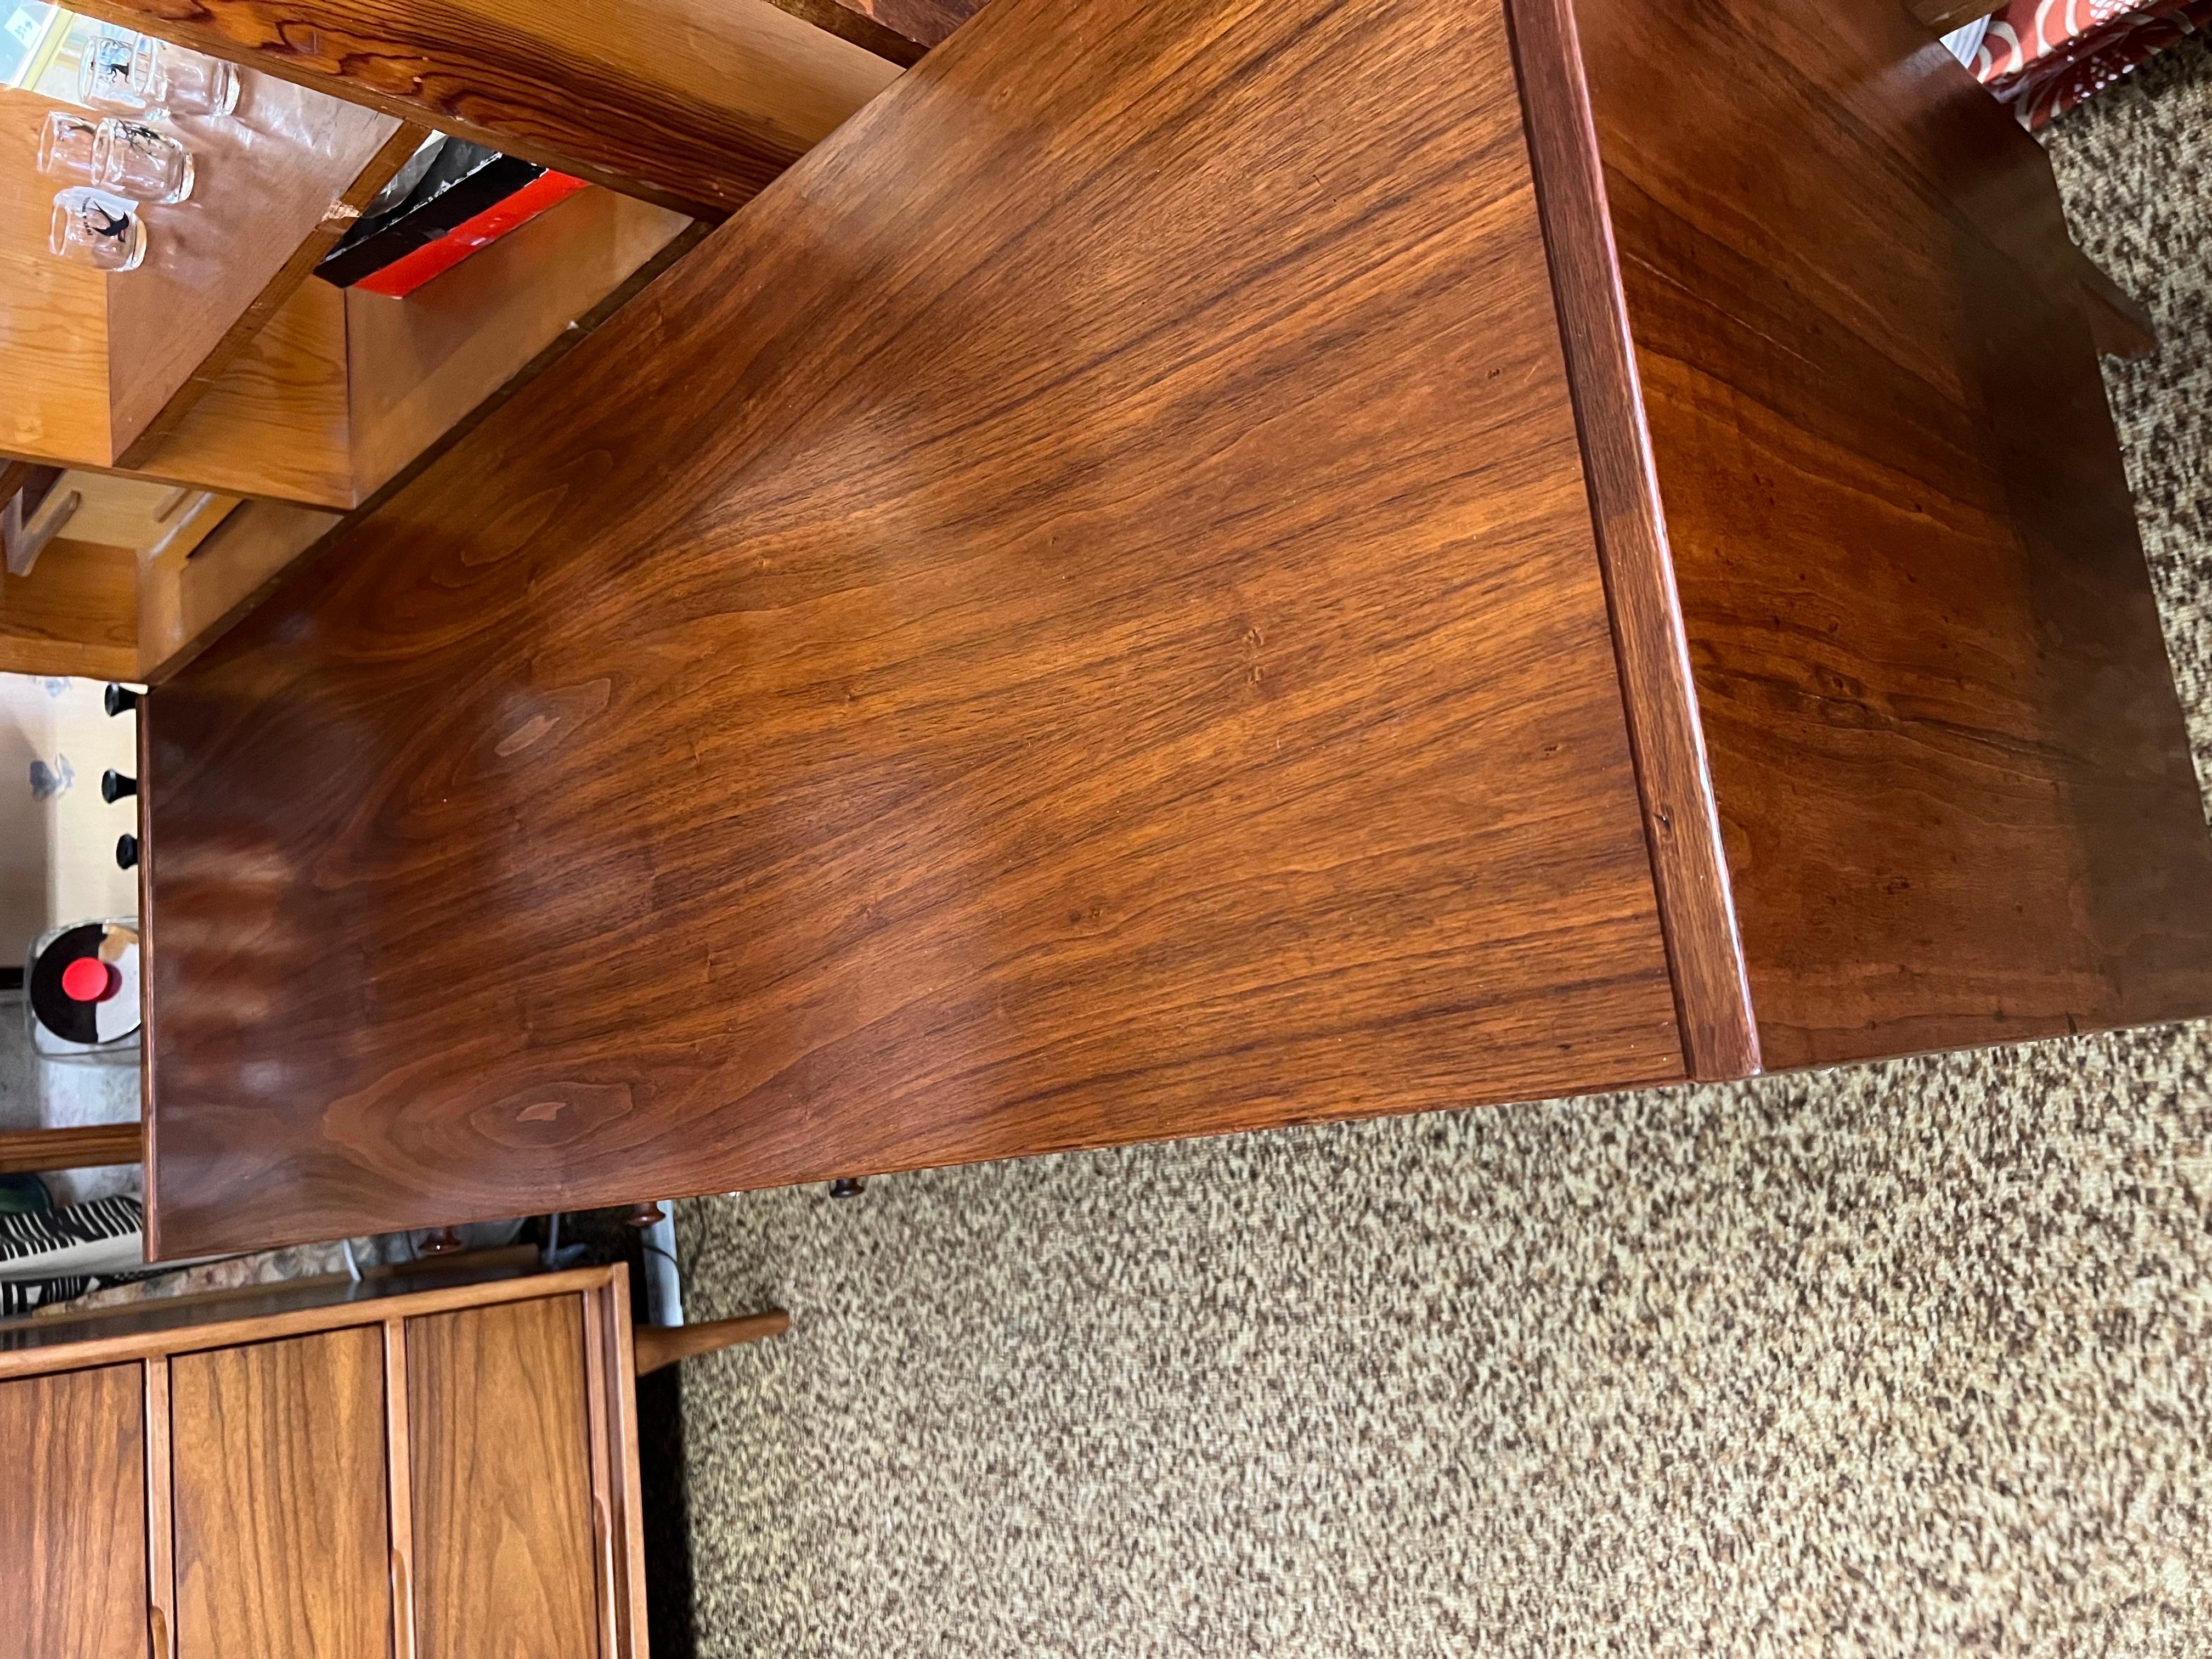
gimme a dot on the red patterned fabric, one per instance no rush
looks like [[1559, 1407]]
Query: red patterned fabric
[[2044, 57]]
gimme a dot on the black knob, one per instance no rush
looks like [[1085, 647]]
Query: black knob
[[113, 786], [126, 852], [847, 1186], [120, 697]]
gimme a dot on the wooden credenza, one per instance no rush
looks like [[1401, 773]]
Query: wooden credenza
[[1201, 564], [444, 1473]]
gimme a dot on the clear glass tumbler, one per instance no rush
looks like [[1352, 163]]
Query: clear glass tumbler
[[65, 143], [180, 81], [142, 163], [103, 74], [93, 228]]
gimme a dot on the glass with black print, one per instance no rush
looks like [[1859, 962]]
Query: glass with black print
[[97, 229], [142, 163], [103, 75], [125, 157]]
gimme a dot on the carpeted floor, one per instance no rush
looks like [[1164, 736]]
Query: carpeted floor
[[1908, 1359]]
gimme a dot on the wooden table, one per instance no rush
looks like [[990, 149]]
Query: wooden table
[[1199, 566]]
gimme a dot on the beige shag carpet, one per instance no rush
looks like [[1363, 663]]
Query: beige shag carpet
[[1906, 1359]]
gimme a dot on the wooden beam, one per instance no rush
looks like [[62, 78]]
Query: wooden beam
[[26, 1151], [694, 104], [663, 1345]]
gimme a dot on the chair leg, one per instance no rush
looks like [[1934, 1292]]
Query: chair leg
[[663, 1345]]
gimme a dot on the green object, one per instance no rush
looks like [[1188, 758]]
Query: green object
[[23, 1194]]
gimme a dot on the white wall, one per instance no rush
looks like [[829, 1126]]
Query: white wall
[[58, 856], [57, 865]]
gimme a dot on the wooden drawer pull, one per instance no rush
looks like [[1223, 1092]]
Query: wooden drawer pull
[[157, 1631]]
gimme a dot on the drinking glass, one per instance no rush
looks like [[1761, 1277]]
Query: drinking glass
[[96, 229], [180, 81], [142, 163], [103, 74], [65, 146]]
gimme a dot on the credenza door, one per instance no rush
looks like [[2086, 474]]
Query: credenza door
[[510, 1557], [283, 1541], [73, 1516]]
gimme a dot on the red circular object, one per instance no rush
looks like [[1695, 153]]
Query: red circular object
[[90, 979]]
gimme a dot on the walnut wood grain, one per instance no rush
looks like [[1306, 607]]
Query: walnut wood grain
[[1950, 764], [73, 1522], [287, 1444], [414, 375], [1012, 644], [1680, 819], [281, 1536], [2000, 180], [503, 1549], [694, 104], [89, 1146]]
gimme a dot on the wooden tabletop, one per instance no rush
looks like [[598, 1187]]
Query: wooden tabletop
[[1072, 619]]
